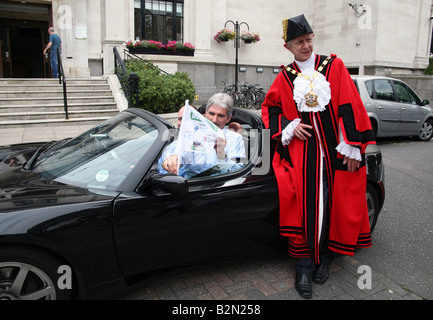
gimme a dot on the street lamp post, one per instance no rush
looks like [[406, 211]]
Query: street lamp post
[[237, 26]]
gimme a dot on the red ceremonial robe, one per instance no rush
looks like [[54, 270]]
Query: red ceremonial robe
[[297, 165]]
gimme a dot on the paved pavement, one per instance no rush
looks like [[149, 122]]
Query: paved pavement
[[269, 279], [259, 279]]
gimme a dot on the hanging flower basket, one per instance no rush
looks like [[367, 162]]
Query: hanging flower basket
[[156, 47], [224, 35], [249, 37]]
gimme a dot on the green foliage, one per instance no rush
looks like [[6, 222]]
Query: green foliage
[[429, 70], [159, 92]]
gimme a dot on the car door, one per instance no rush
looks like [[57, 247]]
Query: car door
[[411, 114], [214, 221], [388, 109], [213, 218]]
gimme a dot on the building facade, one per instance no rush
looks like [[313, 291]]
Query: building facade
[[373, 37]]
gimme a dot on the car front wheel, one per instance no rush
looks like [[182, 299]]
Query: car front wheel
[[29, 275], [426, 132]]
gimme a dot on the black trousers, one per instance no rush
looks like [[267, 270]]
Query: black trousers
[[307, 265]]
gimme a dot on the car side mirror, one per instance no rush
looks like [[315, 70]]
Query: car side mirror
[[170, 183], [425, 102]]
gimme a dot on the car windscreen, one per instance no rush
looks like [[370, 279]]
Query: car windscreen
[[102, 157]]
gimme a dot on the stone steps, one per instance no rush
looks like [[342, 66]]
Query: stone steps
[[30, 94], [40, 115], [56, 107], [39, 102], [52, 87], [51, 122], [42, 101]]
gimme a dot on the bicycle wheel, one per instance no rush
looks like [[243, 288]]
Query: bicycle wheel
[[235, 97], [241, 99], [250, 100], [228, 90], [260, 97]]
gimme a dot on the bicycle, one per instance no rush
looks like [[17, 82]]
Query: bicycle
[[248, 95], [260, 97], [228, 88], [238, 97], [254, 96]]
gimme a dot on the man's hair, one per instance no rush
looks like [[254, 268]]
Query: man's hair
[[51, 29], [222, 100], [192, 106]]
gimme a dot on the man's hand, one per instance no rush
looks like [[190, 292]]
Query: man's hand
[[171, 164], [301, 131], [352, 164], [219, 148]]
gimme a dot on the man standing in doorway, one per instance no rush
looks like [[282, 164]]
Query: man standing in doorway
[[316, 115], [54, 42]]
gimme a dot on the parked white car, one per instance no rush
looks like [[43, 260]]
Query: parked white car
[[394, 108]]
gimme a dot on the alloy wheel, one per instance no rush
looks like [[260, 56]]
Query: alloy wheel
[[426, 131], [21, 281]]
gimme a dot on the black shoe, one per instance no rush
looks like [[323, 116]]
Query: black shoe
[[321, 274], [303, 285]]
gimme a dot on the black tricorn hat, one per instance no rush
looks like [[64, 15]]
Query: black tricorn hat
[[295, 27]]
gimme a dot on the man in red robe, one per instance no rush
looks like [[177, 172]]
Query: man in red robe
[[315, 113]]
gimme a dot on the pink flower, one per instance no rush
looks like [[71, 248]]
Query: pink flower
[[189, 46], [170, 46]]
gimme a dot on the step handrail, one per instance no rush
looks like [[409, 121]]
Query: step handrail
[[129, 55], [62, 79], [129, 82]]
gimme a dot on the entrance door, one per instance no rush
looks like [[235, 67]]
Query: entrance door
[[21, 51], [6, 68], [26, 52], [46, 57], [23, 34], [1, 60]]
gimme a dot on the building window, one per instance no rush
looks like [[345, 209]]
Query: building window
[[159, 20]]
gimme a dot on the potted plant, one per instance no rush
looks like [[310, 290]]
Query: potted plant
[[176, 46], [224, 35], [156, 47], [153, 45], [249, 37]]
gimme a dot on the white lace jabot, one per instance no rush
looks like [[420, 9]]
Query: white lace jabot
[[302, 87], [321, 88]]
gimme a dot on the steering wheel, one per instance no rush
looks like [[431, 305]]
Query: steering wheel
[[215, 169]]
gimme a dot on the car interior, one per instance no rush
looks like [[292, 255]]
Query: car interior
[[250, 127]]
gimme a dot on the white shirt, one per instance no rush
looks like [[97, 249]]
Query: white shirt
[[193, 163]]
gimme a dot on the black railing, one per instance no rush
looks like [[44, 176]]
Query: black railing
[[128, 55], [129, 82], [62, 79]]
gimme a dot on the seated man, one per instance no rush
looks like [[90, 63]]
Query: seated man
[[223, 158]]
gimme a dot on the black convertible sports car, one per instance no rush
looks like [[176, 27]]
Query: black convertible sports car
[[81, 217]]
